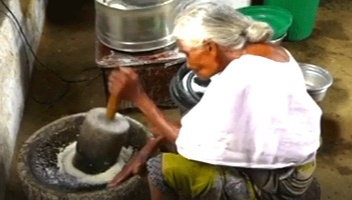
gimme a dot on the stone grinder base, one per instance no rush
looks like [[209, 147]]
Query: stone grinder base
[[38, 171]]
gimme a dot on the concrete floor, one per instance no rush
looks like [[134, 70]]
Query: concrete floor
[[68, 48]]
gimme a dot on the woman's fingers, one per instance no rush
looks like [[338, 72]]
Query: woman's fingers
[[116, 82], [123, 73], [124, 82], [130, 73]]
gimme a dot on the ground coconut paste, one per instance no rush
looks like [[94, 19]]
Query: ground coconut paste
[[65, 165]]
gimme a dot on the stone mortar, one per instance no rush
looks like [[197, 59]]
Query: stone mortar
[[38, 171]]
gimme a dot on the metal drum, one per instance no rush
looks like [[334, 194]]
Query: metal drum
[[132, 27]]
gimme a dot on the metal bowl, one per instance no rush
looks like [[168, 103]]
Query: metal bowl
[[278, 40], [318, 80]]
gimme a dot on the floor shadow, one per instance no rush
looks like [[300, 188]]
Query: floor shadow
[[330, 133]]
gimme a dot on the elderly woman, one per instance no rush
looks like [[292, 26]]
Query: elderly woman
[[255, 132]]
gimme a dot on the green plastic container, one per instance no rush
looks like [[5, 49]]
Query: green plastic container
[[278, 18], [304, 15]]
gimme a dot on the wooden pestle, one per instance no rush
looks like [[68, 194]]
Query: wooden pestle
[[111, 107]]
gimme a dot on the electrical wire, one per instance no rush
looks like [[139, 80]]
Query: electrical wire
[[19, 28]]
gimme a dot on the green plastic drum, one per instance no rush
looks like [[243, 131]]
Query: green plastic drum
[[278, 18], [304, 16]]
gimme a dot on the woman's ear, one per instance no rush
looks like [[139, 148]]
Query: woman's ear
[[211, 46]]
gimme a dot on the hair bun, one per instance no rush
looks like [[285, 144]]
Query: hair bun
[[258, 32]]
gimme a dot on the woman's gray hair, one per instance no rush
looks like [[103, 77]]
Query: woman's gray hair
[[201, 20]]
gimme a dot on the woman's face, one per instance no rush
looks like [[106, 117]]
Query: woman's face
[[203, 60]]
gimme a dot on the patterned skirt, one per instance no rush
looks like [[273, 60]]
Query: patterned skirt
[[186, 179]]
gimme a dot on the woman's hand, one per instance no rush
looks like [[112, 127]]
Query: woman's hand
[[138, 162], [133, 167], [124, 83]]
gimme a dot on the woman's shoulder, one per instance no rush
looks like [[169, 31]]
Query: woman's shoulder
[[269, 51]]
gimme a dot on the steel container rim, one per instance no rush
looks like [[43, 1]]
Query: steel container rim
[[306, 67], [142, 8]]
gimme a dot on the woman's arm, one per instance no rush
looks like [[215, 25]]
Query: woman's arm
[[157, 118], [124, 83]]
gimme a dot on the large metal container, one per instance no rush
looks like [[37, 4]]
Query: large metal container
[[133, 28], [318, 80]]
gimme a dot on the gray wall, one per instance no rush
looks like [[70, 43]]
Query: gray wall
[[16, 63]]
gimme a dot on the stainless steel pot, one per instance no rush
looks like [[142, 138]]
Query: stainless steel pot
[[133, 28], [318, 80]]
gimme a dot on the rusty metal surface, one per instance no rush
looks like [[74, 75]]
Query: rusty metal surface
[[155, 69], [106, 57]]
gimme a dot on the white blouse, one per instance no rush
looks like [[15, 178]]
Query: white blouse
[[255, 114]]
